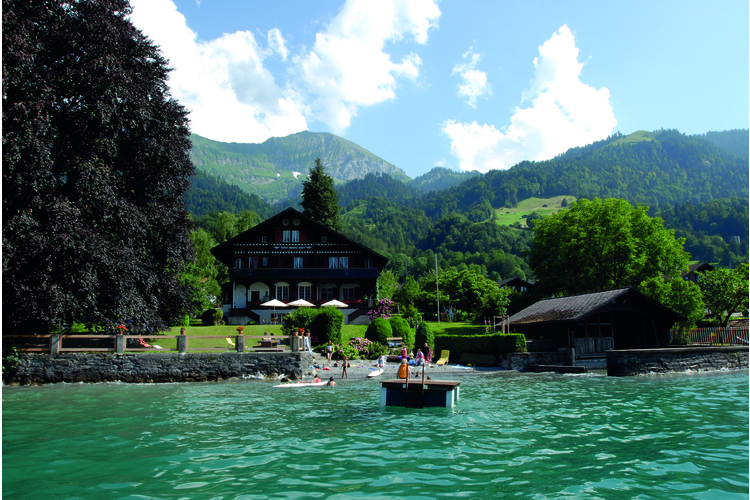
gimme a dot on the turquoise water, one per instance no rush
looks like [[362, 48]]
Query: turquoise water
[[531, 436]]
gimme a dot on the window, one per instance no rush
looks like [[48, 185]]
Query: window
[[333, 262], [287, 236], [324, 239], [265, 261], [264, 239], [347, 293], [326, 293], [282, 292], [343, 262], [238, 264], [368, 263], [298, 262], [295, 236], [304, 292]]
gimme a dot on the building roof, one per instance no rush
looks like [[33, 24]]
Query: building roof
[[224, 252], [574, 308]]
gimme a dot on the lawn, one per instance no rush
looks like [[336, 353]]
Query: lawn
[[507, 216], [197, 330]]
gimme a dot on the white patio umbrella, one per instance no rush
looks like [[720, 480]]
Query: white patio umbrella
[[334, 303], [274, 303], [301, 303]]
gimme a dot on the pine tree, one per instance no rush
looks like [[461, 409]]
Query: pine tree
[[320, 200], [95, 169]]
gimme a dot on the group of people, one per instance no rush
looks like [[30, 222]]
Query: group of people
[[420, 358]]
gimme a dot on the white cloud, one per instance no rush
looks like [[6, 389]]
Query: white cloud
[[475, 82], [563, 113], [348, 66], [223, 82]]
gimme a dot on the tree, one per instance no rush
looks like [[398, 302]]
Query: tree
[[95, 169], [320, 201], [201, 276], [603, 244], [680, 295], [725, 291]]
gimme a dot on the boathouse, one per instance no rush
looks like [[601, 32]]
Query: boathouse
[[290, 257], [594, 323]]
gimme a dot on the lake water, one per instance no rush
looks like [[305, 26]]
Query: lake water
[[511, 435]]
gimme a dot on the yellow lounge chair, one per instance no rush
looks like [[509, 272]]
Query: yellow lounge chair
[[231, 342], [443, 357]]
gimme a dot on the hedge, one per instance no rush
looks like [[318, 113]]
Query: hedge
[[324, 323], [496, 344], [379, 330]]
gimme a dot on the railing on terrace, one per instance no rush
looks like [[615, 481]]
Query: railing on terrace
[[713, 336], [133, 343]]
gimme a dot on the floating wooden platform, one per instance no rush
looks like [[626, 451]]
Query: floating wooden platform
[[434, 393]]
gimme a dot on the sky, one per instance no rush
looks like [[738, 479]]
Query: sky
[[466, 85]]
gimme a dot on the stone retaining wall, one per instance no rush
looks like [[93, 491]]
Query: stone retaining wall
[[152, 367], [675, 360], [522, 360]]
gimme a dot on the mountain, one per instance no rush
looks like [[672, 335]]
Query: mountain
[[654, 168], [275, 169], [440, 178]]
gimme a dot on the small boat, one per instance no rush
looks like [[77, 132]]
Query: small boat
[[302, 384], [377, 372]]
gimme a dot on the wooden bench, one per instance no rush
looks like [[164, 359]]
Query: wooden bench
[[396, 341]]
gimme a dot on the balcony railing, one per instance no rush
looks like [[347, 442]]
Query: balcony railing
[[305, 273]]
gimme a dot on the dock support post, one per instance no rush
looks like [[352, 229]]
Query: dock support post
[[240, 343]]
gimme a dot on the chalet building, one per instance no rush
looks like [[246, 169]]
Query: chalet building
[[517, 284], [593, 323], [700, 267], [290, 257]]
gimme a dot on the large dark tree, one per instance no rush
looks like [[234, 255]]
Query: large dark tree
[[95, 169], [320, 201]]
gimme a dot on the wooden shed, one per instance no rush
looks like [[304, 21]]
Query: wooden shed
[[593, 323]]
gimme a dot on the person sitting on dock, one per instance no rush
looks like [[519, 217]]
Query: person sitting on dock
[[404, 370]]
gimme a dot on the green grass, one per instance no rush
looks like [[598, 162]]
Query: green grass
[[638, 136], [196, 329], [507, 216], [456, 328]]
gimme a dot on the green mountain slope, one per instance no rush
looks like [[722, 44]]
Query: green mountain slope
[[660, 168], [275, 169]]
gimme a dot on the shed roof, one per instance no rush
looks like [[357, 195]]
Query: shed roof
[[576, 307]]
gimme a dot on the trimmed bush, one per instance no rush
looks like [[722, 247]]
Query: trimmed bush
[[400, 328], [212, 317], [324, 323], [379, 330], [424, 336], [496, 344]]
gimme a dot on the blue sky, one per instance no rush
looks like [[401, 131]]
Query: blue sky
[[462, 84]]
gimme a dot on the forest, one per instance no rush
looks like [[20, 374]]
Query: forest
[[696, 184]]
